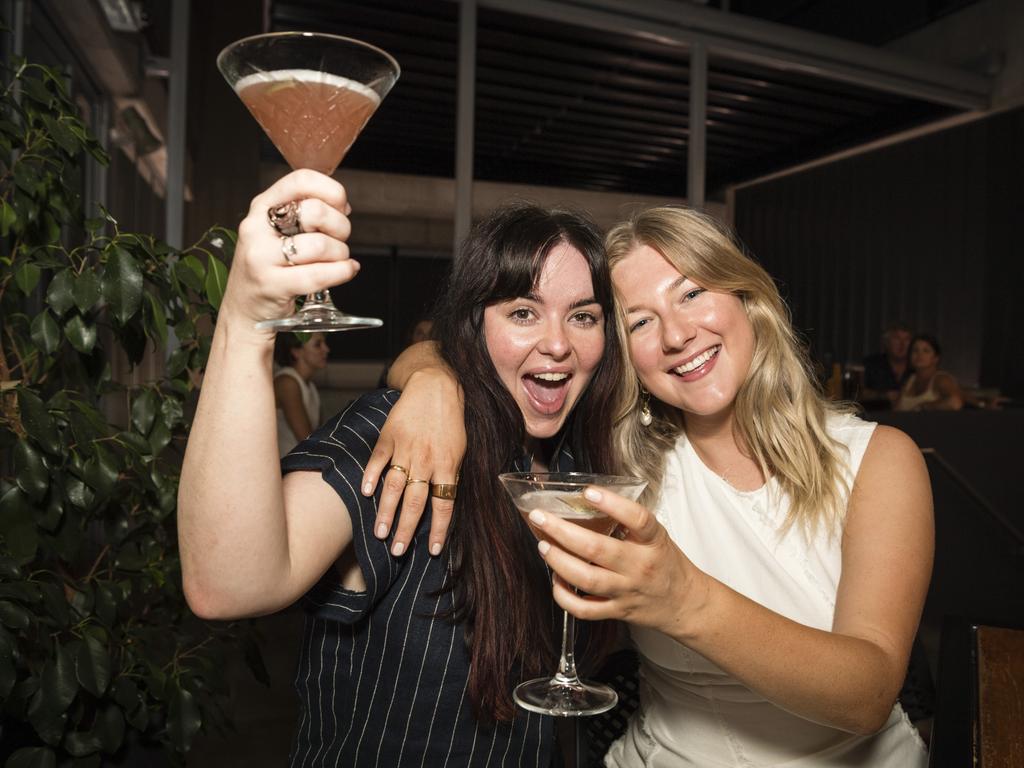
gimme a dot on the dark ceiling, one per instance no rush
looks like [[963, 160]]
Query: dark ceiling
[[575, 107]]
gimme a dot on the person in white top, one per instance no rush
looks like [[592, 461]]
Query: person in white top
[[928, 388], [775, 588], [295, 394]]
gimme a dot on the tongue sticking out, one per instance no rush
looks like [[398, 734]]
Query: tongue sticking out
[[547, 396]]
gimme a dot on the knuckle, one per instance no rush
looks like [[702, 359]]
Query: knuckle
[[394, 483]]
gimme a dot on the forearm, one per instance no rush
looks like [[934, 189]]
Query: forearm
[[842, 681], [414, 358], [231, 521]]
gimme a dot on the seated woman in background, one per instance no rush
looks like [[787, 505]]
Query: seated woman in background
[[405, 661], [774, 588], [928, 388], [297, 398]]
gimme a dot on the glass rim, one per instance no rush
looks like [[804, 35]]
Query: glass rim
[[578, 479], [297, 34]]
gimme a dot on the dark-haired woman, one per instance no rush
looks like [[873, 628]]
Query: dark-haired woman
[[410, 660], [298, 401], [928, 388]]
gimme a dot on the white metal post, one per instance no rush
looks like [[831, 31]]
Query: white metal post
[[697, 139], [465, 122], [176, 112]]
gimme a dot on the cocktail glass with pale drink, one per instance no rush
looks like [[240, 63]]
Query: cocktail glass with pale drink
[[312, 94], [561, 494]]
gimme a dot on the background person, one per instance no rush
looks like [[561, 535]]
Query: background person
[[775, 588], [928, 388], [885, 373], [408, 661], [296, 396]]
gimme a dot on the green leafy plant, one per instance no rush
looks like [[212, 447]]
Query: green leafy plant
[[98, 651]]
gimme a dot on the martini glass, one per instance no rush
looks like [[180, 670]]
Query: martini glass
[[312, 94], [561, 494]]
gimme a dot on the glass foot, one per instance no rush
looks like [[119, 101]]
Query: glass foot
[[549, 696], [322, 319]]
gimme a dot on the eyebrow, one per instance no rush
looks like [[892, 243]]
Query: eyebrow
[[677, 283], [575, 305]]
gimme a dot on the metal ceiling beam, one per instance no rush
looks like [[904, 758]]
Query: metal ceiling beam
[[774, 45], [466, 106]]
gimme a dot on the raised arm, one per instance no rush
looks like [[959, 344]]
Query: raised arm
[[250, 543], [424, 439], [848, 677]]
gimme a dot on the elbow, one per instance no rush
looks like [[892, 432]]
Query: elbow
[[208, 604], [869, 717]]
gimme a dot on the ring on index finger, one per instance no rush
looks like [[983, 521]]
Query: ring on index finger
[[285, 218]]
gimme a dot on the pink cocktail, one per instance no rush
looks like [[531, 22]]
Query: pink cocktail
[[312, 94]]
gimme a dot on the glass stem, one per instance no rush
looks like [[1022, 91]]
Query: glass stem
[[567, 663]]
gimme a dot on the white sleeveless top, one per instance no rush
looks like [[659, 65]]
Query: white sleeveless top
[[909, 402], [286, 439], [694, 714]]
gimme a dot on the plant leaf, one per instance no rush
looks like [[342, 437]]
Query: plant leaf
[[56, 603], [144, 411], [81, 335], [13, 615], [59, 293], [183, 719], [58, 684], [7, 675], [92, 666], [86, 291], [157, 325], [45, 333], [32, 476], [216, 281], [7, 218], [32, 757], [121, 284], [27, 275], [37, 421], [110, 729]]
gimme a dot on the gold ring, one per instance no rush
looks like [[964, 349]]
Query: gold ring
[[288, 250], [444, 491], [400, 468], [410, 482]]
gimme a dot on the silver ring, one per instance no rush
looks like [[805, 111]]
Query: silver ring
[[288, 250], [285, 218]]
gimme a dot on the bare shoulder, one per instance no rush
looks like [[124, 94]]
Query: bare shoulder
[[285, 386], [892, 476]]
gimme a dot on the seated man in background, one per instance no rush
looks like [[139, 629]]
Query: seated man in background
[[887, 372]]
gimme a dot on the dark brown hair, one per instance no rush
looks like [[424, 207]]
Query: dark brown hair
[[501, 588]]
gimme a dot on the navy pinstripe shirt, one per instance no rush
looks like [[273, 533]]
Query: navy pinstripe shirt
[[381, 682]]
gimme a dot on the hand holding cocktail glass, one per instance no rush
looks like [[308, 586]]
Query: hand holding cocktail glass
[[559, 497], [312, 94]]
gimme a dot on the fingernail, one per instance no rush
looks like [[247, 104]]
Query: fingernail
[[543, 546], [398, 549], [382, 531], [592, 494], [367, 489], [537, 517], [435, 548]]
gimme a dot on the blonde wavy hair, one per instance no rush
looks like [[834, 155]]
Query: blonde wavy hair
[[780, 414]]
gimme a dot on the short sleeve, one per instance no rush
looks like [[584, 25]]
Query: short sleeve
[[339, 450]]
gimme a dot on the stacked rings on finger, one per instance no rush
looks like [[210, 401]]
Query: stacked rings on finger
[[285, 218], [288, 250], [444, 491], [413, 482]]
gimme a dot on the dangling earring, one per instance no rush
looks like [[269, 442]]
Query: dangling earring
[[646, 417]]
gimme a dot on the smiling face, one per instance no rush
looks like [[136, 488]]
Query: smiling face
[[546, 346], [691, 347]]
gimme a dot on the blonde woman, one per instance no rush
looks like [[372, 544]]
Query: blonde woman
[[774, 588]]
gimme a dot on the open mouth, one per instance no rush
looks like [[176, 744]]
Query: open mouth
[[699, 364], [547, 391]]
